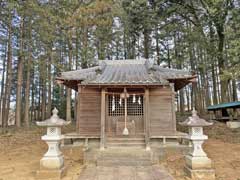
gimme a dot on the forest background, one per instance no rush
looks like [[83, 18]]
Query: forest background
[[41, 38]]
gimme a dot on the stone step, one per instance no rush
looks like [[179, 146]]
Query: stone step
[[126, 162], [124, 157], [125, 152], [127, 137], [124, 140], [126, 144]]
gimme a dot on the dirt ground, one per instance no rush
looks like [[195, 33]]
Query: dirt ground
[[20, 152]]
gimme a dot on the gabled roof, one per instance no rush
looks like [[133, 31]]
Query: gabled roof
[[224, 105], [125, 72]]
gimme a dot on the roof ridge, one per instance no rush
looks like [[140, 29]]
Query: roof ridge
[[123, 61]]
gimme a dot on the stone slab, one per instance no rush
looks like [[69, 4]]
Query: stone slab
[[125, 173], [198, 162], [203, 174], [52, 163], [51, 174], [233, 124]]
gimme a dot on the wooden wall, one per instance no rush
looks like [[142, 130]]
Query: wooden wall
[[89, 111], [162, 119], [161, 111]]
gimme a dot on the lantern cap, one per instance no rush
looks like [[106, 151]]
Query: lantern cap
[[54, 120], [195, 121]]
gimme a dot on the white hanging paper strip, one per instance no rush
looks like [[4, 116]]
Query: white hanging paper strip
[[139, 100], [134, 98], [125, 131], [113, 104], [120, 102]]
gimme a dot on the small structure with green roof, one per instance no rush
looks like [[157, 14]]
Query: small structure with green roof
[[226, 112]]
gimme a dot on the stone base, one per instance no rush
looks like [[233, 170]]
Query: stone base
[[55, 162], [198, 162], [233, 124], [53, 174], [200, 174]]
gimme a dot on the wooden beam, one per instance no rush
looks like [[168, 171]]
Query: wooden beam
[[146, 119], [103, 103]]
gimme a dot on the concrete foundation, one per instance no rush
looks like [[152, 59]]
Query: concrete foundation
[[200, 174], [233, 124], [198, 162], [52, 162], [51, 174]]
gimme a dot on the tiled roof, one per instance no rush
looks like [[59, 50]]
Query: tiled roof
[[125, 72]]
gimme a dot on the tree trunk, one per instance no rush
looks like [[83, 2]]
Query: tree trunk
[[69, 94], [146, 43], [168, 55], [27, 89], [20, 77], [49, 104], [188, 97], [215, 100], [223, 81], [212, 58], [43, 89], [43, 102], [33, 106], [182, 104], [39, 102], [179, 66], [8, 86], [84, 63], [76, 93], [192, 57], [125, 43], [157, 46], [234, 90], [2, 84]]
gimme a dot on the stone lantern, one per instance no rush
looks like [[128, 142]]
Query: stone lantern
[[52, 163], [198, 165]]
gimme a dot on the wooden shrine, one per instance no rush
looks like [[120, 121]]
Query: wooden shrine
[[126, 98]]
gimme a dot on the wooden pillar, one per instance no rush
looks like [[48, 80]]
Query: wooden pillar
[[103, 101], [78, 109], [173, 107], [238, 114], [146, 120]]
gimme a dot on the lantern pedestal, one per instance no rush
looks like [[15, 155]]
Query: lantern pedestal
[[52, 163], [198, 165], [51, 174], [200, 174], [198, 162]]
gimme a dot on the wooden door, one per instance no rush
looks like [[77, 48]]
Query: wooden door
[[115, 115]]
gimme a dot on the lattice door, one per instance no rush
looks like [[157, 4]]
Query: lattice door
[[135, 114]]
